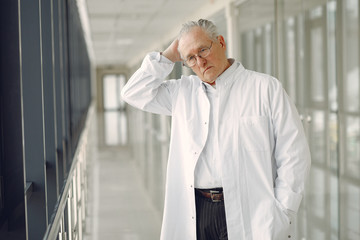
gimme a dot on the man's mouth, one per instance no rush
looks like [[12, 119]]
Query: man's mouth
[[206, 69]]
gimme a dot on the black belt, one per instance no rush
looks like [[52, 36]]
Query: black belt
[[215, 195]]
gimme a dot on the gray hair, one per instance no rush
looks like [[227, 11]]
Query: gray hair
[[206, 25]]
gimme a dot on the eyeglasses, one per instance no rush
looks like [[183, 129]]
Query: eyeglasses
[[203, 53]]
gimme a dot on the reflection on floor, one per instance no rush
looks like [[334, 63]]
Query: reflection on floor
[[119, 207]]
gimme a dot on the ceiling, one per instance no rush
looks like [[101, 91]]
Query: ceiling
[[120, 30]]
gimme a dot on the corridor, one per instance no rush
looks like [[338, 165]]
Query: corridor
[[119, 207], [77, 162]]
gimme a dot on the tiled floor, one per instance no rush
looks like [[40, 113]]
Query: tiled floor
[[118, 204]]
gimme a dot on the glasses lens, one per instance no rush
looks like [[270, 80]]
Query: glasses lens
[[204, 53], [191, 62]]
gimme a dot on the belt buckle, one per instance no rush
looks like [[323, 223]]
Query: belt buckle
[[212, 192]]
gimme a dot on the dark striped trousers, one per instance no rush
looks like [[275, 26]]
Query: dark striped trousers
[[210, 219]]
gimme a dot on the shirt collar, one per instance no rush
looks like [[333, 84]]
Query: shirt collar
[[224, 78]]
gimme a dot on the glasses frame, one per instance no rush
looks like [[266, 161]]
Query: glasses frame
[[198, 55]]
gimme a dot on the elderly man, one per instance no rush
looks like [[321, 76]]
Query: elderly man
[[238, 154]]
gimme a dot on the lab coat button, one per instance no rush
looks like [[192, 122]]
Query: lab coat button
[[289, 236]]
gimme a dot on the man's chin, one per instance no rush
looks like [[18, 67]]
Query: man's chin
[[211, 82]]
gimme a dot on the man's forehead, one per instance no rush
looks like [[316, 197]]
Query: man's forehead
[[193, 46], [192, 42]]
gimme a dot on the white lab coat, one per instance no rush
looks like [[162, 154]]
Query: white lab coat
[[263, 149]]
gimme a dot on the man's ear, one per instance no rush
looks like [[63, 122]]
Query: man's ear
[[221, 41]]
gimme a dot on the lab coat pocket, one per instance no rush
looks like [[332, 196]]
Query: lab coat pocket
[[254, 133]]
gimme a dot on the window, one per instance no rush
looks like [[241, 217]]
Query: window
[[115, 121]]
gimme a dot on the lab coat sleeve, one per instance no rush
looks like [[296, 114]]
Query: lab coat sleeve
[[147, 89], [292, 155]]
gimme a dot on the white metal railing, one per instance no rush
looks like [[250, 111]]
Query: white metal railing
[[69, 215]]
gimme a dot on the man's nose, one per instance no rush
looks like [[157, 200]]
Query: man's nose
[[200, 61]]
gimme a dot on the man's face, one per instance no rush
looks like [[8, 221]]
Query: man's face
[[210, 67]]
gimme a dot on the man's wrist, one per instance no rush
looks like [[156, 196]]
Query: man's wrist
[[160, 57], [168, 56]]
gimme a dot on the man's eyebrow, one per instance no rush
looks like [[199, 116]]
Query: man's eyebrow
[[188, 55]]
